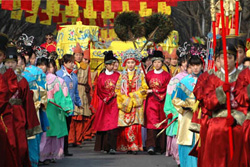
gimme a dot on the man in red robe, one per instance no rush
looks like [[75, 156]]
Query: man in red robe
[[106, 119], [217, 126], [25, 117], [157, 81], [50, 44]]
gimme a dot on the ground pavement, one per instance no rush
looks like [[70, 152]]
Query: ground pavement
[[87, 157]]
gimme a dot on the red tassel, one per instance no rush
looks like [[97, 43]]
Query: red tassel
[[230, 134]]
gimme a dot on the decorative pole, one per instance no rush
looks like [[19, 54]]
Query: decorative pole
[[230, 134], [236, 17], [213, 17], [227, 9]]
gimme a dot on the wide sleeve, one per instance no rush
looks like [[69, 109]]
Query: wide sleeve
[[169, 107], [214, 96], [201, 82], [242, 88], [139, 96], [63, 101], [29, 107], [124, 102]]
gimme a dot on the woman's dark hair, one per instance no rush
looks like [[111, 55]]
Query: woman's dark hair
[[52, 62], [28, 50], [246, 59], [42, 61], [22, 58], [195, 60], [182, 60], [68, 58]]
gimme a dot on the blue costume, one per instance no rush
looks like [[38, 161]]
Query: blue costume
[[37, 82], [183, 101]]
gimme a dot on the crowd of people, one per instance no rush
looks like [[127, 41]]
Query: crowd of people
[[162, 104]]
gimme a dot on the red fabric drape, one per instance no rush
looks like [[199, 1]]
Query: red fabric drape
[[63, 2], [81, 3]]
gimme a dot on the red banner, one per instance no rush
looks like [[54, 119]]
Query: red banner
[[26, 5], [116, 6], [7, 4], [98, 5]]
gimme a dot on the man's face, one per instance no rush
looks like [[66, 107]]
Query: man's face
[[157, 64], [241, 55], [69, 65], [173, 62], [11, 64], [230, 61], [78, 57], [49, 39], [109, 67], [2, 57]]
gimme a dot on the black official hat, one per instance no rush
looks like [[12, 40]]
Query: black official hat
[[231, 45], [11, 53], [242, 39], [157, 55], [109, 57]]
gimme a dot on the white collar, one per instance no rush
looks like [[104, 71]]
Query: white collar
[[107, 72], [158, 71], [223, 71], [1, 65], [131, 71], [241, 66]]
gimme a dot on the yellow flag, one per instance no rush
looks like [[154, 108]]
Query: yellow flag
[[125, 6], [163, 8], [16, 14], [89, 12], [31, 19], [72, 9], [107, 14], [35, 6], [16, 4], [144, 11], [104, 34], [52, 8]]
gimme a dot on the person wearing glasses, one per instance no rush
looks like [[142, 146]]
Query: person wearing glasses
[[50, 44]]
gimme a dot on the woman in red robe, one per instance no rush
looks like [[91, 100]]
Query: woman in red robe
[[157, 81], [106, 118]]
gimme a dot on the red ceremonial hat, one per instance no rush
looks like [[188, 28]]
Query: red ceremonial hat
[[86, 54], [166, 54], [173, 54], [78, 48]]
